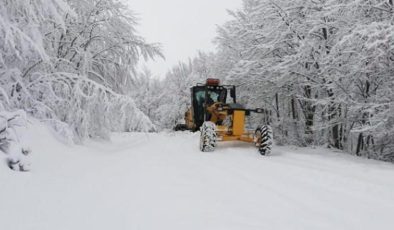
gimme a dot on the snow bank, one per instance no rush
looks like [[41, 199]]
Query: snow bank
[[14, 149]]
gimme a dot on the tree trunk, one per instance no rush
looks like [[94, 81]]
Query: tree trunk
[[277, 105], [309, 112], [293, 109], [360, 144]]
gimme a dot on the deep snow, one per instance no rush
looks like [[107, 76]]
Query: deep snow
[[162, 181]]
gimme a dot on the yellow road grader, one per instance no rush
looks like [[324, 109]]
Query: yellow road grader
[[215, 112]]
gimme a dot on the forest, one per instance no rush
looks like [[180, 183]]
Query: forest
[[323, 69]]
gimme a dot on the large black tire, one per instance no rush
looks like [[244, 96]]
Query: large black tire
[[180, 127], [208, 137], [264, 138]]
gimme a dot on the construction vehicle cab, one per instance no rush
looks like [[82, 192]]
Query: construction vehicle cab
[[204, 96], [215, 112]]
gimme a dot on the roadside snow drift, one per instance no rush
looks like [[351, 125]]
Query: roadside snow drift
[[162, 181]]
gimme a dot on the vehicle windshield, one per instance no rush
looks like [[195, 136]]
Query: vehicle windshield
[[213, 97]]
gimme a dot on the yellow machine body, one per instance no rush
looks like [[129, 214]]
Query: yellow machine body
[[235, 130], [228, 116], [215, 112]]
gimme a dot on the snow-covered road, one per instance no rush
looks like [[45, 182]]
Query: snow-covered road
[[162, 181]]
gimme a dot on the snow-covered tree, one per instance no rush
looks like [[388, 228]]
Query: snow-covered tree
[[72, 62]]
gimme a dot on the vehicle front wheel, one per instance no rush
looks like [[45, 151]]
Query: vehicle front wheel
[[263, 137], [208, 137]]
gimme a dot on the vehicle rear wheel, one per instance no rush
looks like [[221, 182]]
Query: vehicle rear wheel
[[264, 138], [180, 127], [208, 137]]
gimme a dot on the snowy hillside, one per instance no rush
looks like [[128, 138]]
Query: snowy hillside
[[162, 181]]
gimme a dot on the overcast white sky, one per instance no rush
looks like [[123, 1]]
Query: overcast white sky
[[182, 26]]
